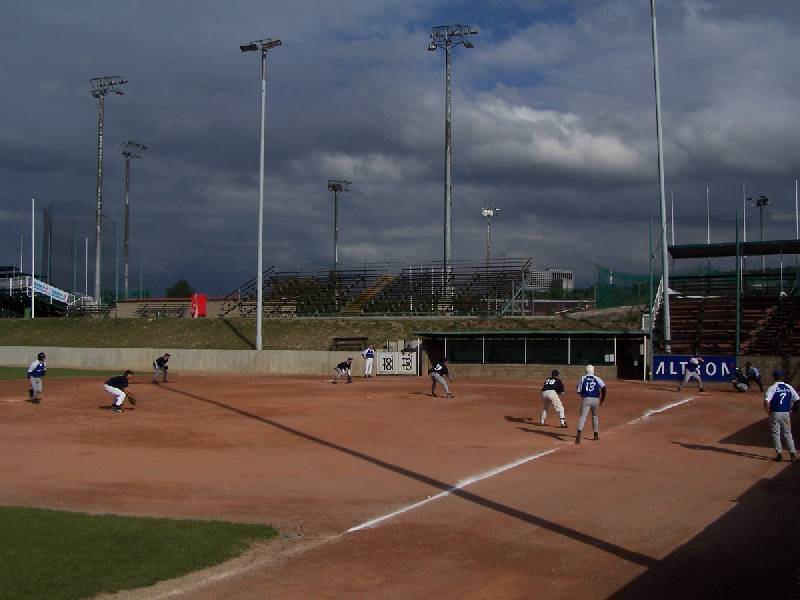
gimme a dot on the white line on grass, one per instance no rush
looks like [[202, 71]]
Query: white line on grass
[[458, 486]]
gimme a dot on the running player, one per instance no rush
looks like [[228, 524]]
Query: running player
[[35, 374], [440, 374], [551, 391], [592, 391]]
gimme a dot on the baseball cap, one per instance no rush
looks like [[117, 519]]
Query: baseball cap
[[777, 374], [554, 373], [128, 372]]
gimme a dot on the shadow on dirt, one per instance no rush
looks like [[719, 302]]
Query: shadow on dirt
[[611, 548]]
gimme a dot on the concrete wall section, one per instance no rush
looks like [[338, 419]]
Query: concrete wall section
[[569, 373], [266, 362]]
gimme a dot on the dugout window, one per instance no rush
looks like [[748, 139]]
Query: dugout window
[[465, 350], [547, 351], [504, 350], [592, 351]]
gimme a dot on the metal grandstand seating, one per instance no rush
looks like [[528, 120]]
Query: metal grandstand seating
[[470, 289]]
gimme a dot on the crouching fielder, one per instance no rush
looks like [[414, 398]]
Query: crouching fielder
[[551, 390], [343, 370], [440, 374], [592, 390], [116, 386]]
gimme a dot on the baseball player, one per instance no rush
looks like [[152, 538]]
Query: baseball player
[[117, 386], [592, 391], [778, 401], [440, 374], [343, 370], [551, 391], [739, 381], [369, 356], [692, 371], [753, 374], [35, 374], [160, 366]]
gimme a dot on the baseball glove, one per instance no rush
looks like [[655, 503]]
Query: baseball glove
[[132, 400]]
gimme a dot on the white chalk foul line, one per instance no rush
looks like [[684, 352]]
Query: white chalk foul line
[[458, 486], [661, 409]]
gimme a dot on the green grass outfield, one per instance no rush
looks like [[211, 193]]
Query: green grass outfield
[[7, 373], [62, 555], [278, 334]]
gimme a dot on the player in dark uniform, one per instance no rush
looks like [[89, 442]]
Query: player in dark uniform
[[343, 370], [116, 386], [739, 381], [551, 391], [753, 374], [160, 366], [440, 374]]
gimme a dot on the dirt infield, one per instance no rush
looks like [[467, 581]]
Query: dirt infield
[[384, 491]]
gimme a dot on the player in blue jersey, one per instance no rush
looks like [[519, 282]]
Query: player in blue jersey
[[592, 391], [35, 374], [778, 401], [369, 356]]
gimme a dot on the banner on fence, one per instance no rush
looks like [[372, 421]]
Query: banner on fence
[[396, 363], [672, 366], [40, 287]]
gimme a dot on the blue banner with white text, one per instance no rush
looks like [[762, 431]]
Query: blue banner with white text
[[672, 367]]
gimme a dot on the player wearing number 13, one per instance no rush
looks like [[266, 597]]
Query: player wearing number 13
[[592, 391], [778, 401]]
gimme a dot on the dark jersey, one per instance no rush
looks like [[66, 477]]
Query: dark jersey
[[120, 382], [440, 368], [160, 362], [553, 383], [343, 366]]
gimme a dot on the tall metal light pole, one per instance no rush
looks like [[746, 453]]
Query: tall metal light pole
[[761, 202], [447, 37], [663, 204], [336, 186], [100, 87], [489, 213], [263, 45], [129, 149]]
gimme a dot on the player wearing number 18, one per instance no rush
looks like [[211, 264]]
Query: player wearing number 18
[[592, 391], [778, 401]]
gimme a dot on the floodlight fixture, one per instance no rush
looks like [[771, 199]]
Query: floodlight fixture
[[129, 150], [336, 186], [100, 87], [447, 37], [489, 213], [264, 45]]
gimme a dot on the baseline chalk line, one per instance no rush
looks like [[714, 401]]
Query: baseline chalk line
[[458, 486], [661, 409]]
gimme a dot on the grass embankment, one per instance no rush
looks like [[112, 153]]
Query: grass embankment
[[278, 334], [9, 373], [61, 555]]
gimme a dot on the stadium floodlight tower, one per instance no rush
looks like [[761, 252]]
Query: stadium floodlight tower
[[100, 87], [130, 149], [761, 202], [336, 186], [489, 213], [448, 37], [264, 45]]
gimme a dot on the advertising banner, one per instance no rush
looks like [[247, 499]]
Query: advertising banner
[[40, 287], [672, 367], [396, 363]]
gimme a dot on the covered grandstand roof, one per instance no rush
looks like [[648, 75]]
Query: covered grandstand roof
[[765, 248], [605, 333]]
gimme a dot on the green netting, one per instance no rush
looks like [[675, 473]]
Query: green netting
[[617, 288]]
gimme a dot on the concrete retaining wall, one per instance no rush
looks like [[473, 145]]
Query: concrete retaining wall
[[266, 362], [531, 371]]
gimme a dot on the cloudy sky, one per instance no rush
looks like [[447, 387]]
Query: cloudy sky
[[553, 121]]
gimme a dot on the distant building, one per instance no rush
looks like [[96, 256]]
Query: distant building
[[543, 281]]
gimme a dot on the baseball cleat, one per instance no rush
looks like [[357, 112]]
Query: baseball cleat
[[778, 458], [450, 396], [792, 457], [34, 401], [116, 409], [578, 437], [563, 425], [596, 436]]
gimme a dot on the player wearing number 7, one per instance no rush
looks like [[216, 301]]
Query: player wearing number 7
[[778, 401], [592, 390]]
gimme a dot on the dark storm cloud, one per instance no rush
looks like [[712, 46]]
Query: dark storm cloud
[[553, 121]]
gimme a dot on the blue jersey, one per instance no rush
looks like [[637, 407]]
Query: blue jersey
[[590, 385], [368, 353], [780, 396], [37, 369]]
